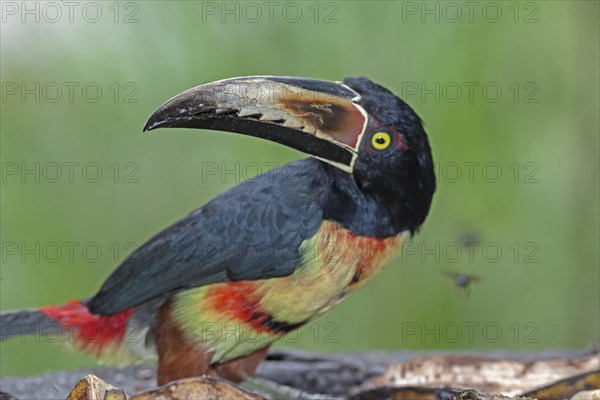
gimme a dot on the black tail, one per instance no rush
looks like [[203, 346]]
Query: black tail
[[24, 323]]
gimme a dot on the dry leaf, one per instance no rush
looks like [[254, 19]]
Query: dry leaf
[[93, 388]]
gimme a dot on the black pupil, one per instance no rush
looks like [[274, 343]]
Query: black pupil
[[380, 140]]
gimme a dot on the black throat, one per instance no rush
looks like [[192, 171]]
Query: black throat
[[376, 214]]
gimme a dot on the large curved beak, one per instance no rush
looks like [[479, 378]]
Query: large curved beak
[[320, 118]]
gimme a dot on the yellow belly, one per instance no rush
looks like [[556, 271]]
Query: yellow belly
[[234, 319]]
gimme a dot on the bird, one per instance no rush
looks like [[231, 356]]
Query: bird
[[211, 293]]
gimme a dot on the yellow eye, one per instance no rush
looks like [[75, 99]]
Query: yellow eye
[[381, 140]]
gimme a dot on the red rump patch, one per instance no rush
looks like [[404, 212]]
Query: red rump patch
[[90, 332]]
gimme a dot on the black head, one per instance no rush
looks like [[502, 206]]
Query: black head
[[394, 158]]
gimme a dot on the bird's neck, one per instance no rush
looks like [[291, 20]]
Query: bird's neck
[[370, 214]]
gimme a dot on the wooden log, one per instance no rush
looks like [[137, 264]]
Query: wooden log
[[363, 375]]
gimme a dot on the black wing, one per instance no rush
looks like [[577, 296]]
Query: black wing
[[252, 231]]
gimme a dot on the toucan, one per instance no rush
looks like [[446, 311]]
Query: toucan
[[212, 292]]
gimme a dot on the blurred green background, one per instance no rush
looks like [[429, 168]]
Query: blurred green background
[[540, 131]]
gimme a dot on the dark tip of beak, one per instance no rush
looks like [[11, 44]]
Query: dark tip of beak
[[148, 126], [173, 113], [152, 123]]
